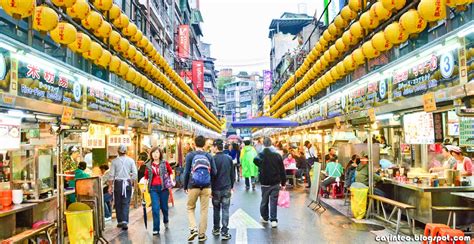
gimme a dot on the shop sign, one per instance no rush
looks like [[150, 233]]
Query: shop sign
[[99, 99], [463, 67], [48, 85], [323, 110], [136, 110], [357, 99], [377, 93], [117, 140], [67, 115], [155, 117], [433, 74], [198, 76], [419, 128], [10, 132], [334, 108], [95, 137], [7, 100], [453, 124], [466, 137], [5, 76], [429, 102], [438, 127], [267, 81], [183, 41]]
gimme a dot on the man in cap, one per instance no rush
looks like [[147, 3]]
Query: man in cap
[[123, 173]]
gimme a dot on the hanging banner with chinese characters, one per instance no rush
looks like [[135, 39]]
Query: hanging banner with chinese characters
[[438, 127], [99, 99], [95, 137], [198, 76], [435, 73], [137, 111], [48, 85], [183, 41], [117, 140]]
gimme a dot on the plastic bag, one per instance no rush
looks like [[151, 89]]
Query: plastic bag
[[359, 202], [284, 199]]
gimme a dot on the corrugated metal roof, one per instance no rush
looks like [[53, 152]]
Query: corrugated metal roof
[[292, 26]]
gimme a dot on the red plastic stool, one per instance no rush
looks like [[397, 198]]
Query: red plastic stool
[[452, 233], [432, 229], [337, 191]]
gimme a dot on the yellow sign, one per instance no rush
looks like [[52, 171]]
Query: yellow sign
[[338, 121], [429, 102], [462, 62], [371, 113], [67, 116]]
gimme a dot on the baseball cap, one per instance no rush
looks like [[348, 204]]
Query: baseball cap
[[218, 142], [122, 148], [73, 149]]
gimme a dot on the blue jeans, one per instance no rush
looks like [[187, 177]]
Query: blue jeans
[[221, 201], [107, 205], [269, 195], [122, 202], [159, 200], [249, 180]]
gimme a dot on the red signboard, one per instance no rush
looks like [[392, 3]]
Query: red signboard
[[183, 41], [198, 76]]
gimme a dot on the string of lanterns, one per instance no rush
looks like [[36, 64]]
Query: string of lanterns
[[409, 24], [45, 19]]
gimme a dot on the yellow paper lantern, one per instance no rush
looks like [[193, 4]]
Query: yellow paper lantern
[[79, 10], [318, 47], [64, 33], [137, 80], [328, 79], [367, 21], [340, 22], [104, 30], [131, 52], [328, 57], [357, 5], [341, 69], [94, 52], [92, 21], [327, 36], [411, 22], [114, 64], [432, 10], [333, 73], [340, 46], [122, 21], [369, 50], [356, 30], [114, 12], [379, 12], [323, 42], [394, 33], [122, 46], [358, 56], [349, 39], [143, 42], [152, 53], [149, 47], [393, 4], [131, 74], [130, 30], [137, 37], [334, 52], [137, 58], [81, 44], [347, 14], [148, 87], [63, 3], [333, 30], [349, 63], [124, 67], [19, 9], [45, 19], [104, 59], [103, 5], [380, 43], [114, 38]]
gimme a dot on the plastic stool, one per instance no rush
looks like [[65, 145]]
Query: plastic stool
[[337, 191], [452, 233], [432, 229]]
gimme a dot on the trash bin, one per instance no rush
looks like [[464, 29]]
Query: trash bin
[[359, 200], [80, 224]]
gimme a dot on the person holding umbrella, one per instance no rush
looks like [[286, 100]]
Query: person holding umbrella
[[159, 182]]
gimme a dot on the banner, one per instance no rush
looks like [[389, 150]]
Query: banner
[[95, 137], [267, 81], [10, 132], [136, 110], [117, 140], [198, 76], [99, 99], [183, 41]]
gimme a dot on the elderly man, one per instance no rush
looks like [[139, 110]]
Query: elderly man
[[123, 174]]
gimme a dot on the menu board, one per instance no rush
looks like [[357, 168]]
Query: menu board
[[10, 132], [49, 85], [418, 128], [136, 110], [117, 140], [99, 99], [466, 137], [95, 137], [435, 73], [378, 93]]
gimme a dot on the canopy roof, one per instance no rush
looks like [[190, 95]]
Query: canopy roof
[[264, 122]]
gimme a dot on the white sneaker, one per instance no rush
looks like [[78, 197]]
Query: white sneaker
[[108, 219], [274, 224], [155, 233], [263, 220]]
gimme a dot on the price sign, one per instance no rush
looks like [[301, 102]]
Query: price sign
[[429, 102], [371, 113], [67, 116]]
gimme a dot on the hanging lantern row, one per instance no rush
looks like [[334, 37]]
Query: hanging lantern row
[[46, 19]]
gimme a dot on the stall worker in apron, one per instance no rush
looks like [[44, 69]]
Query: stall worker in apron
[[123, 174], [463, 164]]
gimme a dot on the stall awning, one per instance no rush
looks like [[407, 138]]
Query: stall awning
[[264, 122]]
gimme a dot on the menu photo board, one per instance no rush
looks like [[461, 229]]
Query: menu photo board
[[466, 137], [100, 99], [419, 128], [357, 99], [435, 73], [49, 85], [137, 110]]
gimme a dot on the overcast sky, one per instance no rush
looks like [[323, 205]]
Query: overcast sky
[[238, 30]]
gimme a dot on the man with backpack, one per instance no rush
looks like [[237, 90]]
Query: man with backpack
[[222, 184], [200, 166]]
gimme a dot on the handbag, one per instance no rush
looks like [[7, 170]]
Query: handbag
[[283, 199]]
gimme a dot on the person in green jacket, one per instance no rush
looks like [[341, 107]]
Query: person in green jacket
[[249, 169], [79, 173], [362, 175]]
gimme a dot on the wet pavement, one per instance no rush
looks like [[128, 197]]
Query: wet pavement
[[297, 224]]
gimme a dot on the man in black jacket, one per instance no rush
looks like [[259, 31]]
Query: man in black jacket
[[272, 175], [222, 184]]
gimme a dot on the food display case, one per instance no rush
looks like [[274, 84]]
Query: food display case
[[33, 170]]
